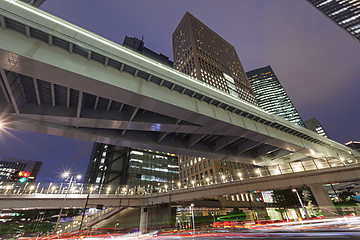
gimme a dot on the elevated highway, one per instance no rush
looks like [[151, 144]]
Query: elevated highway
[[59, 79]]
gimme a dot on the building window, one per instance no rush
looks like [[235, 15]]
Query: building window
[[220, 163], [196, 168], [192, 170], [211, 172], [209, 163], [204, 164], [225, 164]]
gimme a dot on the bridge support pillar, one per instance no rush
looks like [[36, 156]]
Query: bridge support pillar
[[143, 220], [322, 198]]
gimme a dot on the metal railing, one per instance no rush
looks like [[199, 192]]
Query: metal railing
[[223, 178]]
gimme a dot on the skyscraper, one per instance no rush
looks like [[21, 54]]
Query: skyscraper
[[314, 125], [10, 165], [271, 95], [35, 3], [138, 45], [203, 54], [115, 165], [345, 13]]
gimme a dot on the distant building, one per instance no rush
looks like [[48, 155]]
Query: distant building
[[314, 125], [203, 171], [35, 3], [344, 13], [138, 45], [354, 145], [10, 165], [197, 169], [115, 165], [271, 95], [204, 55]]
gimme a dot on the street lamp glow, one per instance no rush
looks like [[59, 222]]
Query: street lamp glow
[[179, 184], [78, 177], [223, 177], [1, 125], [66, 174], [301, 203], [192, 215]]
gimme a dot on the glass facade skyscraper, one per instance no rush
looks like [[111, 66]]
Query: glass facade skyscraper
[[314, 125], [271, 95], [116, 165], [204, 55], [345, 13]]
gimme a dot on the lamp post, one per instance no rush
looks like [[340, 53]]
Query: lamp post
[[193, 219], [302, 205], [65, 175]]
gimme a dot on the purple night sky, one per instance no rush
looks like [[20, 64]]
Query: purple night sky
[[317, 62]]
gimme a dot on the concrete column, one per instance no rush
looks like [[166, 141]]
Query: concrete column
[[322, 198], [143, 220]]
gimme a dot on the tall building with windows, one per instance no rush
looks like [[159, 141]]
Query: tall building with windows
[[139, 46], [35, 3], [271, 95], [203, 54], [314, 125], [115, 165], [9, 165], [345, 13], [354, 145], [197, 169]]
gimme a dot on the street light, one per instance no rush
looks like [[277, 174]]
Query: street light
[[193, 219], [302, 205], [65, 175]]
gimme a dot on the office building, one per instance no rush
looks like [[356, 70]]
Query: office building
[[314, 125], [115, 165], [354, 145], [138, 45], [345, 13], [8, 166], [196, 169], [35, 3], [271, 95], [204, 55]]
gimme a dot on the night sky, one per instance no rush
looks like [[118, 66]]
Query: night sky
[[317, 62]]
